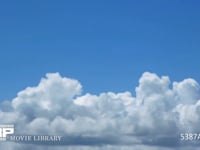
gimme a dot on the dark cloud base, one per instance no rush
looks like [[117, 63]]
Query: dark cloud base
[[153, 119]]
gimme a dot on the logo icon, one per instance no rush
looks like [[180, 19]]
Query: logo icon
[[6, 130]]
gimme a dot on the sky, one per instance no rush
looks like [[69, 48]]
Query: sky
[[97, 73], [106, 45]]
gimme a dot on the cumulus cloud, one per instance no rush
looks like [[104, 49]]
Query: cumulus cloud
[[153, 119]]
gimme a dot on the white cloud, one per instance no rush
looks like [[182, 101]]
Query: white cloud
[[151, 120]]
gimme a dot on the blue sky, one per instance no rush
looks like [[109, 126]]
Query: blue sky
[[106, 45]]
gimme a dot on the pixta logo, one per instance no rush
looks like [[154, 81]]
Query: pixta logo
[[6, 130]]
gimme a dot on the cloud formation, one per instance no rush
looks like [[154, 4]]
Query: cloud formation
[[153, 119]]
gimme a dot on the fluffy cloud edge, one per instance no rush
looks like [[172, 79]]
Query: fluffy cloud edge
[[154, 117]]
